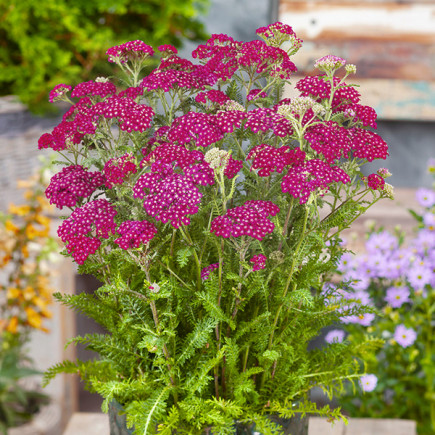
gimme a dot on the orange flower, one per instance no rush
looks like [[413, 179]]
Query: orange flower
[[25, 251], [31, 232]]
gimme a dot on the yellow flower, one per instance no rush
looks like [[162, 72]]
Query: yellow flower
[[12, 325], [10, 226], [43, 220], [42, 305], [33, 318], [31, 232], [29, 293], [25, 251], [13, 293], [19, 210]]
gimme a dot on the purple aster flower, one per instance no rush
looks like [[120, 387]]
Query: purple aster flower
[[335, 336], [397, 296], [347, 261], [383, 241], [368, 382], [419, 276], [425, 197], [404, 336], [429, 221]]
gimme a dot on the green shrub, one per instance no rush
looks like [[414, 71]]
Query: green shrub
[[60, 41]]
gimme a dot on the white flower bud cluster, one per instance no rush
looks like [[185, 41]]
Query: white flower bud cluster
[[155, 288], [277, 257], [388, 191], [350, 68], [298, 106], [217, 158], [101, 80], [318, 109], [233, 105]]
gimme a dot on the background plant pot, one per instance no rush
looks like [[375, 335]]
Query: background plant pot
[[118, 420], [47, 421]]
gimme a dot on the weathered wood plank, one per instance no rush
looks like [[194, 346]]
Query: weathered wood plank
[[387, 39], [392, 99], [362, 426]]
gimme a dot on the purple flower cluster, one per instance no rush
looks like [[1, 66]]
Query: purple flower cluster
[[250, 219], [129, 50], [168, 196], [269, 159], [91, 88], [116, 170], [259, 262], [71, 184], [312, 176], [135, 233], [84, 228], [58, 92], [205, 272]]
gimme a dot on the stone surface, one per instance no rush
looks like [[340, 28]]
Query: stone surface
[[88, 423], [362, 426]]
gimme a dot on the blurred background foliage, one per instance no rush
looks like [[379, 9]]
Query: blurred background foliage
[[49, 42]]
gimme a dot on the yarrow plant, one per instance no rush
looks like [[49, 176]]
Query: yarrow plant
[[397, 276], [210, 207]]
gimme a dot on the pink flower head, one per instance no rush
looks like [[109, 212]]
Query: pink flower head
[[200, 173], [131, 115], [169, 198], [82, 230], [213, 96], [249, 219], [365, 115], [368, 382], [269, 159], [275, 29], [375, 182], [116, 170], [330, 140], [173, 154], [129, 50], [205, 272], [368, 145], [167, 49], [313, 175], [259, 262], [404, 336], [135, 233], [329, 63], [233, 167], [77, 122], [264, 119], [199, 127], [91, 88], [58, 92], [319, 88], [71, 184]]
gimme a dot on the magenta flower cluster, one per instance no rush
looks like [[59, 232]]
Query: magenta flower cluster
[[250, 219], [117, 169], [72, 184]]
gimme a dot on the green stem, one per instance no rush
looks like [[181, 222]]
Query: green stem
[[289, 280]]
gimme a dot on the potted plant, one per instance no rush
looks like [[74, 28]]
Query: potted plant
[[397, 276], [210, 207], [25, 296]]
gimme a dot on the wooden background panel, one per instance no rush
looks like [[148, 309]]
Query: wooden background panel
[[391, 42]]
